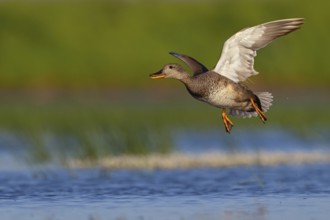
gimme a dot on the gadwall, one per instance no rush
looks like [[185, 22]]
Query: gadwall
[[222, 87]]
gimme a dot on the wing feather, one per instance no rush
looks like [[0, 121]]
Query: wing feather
[[237, 57], [196, 67]]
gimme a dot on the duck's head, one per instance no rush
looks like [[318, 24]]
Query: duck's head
[[171, 70]]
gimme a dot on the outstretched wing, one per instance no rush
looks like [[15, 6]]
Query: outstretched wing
[[194, 65], [237, 57]]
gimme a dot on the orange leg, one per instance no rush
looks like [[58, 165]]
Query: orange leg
[[261, 115], [227, 121]]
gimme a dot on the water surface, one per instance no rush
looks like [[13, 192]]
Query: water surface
[[277, 192]]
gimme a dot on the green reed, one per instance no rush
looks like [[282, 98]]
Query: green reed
[[92, 130]]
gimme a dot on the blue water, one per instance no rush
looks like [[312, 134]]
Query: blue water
[[278, 192]]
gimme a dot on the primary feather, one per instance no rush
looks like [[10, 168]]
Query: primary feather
[[237, 57]]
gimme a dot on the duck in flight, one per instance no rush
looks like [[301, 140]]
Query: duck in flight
[[222, 86]]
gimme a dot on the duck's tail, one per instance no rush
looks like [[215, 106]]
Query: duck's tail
[[266, 99]]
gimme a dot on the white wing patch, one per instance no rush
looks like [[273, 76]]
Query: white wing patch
[[237, 57]]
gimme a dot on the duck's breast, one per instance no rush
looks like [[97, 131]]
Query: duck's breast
[[225, 93], [224, 96]]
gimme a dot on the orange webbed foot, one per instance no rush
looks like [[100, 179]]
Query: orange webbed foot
[[260, 113], [227, 122]]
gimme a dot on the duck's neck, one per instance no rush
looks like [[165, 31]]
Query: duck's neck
[[189, 83], [194, 88], [185, 78]]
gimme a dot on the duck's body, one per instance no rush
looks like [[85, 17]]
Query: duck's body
[[222, 87], [218, 91]]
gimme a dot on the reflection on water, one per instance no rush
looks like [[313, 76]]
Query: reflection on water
[[289, 192]]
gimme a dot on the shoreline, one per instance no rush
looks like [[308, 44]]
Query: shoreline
[[210, 159]]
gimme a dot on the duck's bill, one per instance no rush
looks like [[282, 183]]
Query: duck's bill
[[157, 75]]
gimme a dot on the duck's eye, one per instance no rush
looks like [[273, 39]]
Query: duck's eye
[[171, 67]]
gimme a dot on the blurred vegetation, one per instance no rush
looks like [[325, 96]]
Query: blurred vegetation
[[57, 131], [100, 43]]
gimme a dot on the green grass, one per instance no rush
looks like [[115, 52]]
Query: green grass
[[93, 129], [82, 130], [105, 43]]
